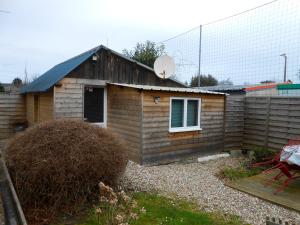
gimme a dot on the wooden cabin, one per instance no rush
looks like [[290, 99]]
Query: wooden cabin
[[161, 120], [164, 124]]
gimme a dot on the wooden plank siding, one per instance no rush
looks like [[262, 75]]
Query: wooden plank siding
[[115, 69], [46, 106], [142, 124], [39, 111], [69, 99], [234, 121], [124, 112], [123, 109], [12, 111], [161, 146], [271, 121], [30, 109]]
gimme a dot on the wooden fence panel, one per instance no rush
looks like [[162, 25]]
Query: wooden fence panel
[[234, 122], [271, 121], [12, 111]]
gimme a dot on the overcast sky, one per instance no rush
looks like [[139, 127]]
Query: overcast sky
[[40, 34], [245, 48]]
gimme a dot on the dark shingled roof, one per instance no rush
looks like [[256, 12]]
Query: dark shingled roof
[[58, 72]]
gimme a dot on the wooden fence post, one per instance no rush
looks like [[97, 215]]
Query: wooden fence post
[[267, 121], [224, 123]]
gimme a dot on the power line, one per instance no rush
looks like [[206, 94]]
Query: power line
[[238, 14], [243, 48], [180, 34], [221, 19]]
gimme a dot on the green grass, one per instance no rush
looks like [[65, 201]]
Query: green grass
[[242, 171], [259, 154], [165, 211]]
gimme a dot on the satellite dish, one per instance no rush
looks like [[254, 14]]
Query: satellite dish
[[164, 66]]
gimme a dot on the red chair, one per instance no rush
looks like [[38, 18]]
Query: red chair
[[273, 161], [290, 171], [270, 161]]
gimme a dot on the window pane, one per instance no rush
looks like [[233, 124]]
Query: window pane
[[94, 104], [192, 113], [177, 113]]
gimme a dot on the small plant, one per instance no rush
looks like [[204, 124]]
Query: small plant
[[116, 208], [232, 173], [261, 153], [245, 169]]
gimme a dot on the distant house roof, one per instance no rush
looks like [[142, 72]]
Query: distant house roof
[[288, 86], [161, 88], [9, 87], [261, 87], [243, 88], [6, 85], [224, 88], [58, 72]]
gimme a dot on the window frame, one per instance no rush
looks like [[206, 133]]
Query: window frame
[[185, 127], [104, 123]]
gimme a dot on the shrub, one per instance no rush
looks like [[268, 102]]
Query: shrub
[[58, 164]]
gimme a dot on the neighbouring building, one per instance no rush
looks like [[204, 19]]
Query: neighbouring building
[[288, 89], [271, 89]]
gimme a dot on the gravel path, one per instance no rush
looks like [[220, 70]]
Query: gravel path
[[197, 181]]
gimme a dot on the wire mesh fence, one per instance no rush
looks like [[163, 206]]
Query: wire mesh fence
[[247, 48]]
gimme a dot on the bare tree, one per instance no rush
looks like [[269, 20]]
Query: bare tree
[[17, 82]]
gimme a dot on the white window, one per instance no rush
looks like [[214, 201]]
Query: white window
[[184, 114]]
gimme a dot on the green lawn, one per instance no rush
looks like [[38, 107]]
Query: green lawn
[[166, 211]]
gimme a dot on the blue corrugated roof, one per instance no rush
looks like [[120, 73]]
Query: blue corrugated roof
[[58, 72]]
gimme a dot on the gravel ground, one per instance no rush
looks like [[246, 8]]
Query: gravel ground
[[197, 181]]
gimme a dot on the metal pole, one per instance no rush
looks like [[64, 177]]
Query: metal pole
[[285, 61], [199, 63]]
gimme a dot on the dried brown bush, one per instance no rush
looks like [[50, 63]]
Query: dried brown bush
[[58, 164]]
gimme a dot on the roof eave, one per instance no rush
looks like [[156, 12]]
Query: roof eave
[[161, 88]]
